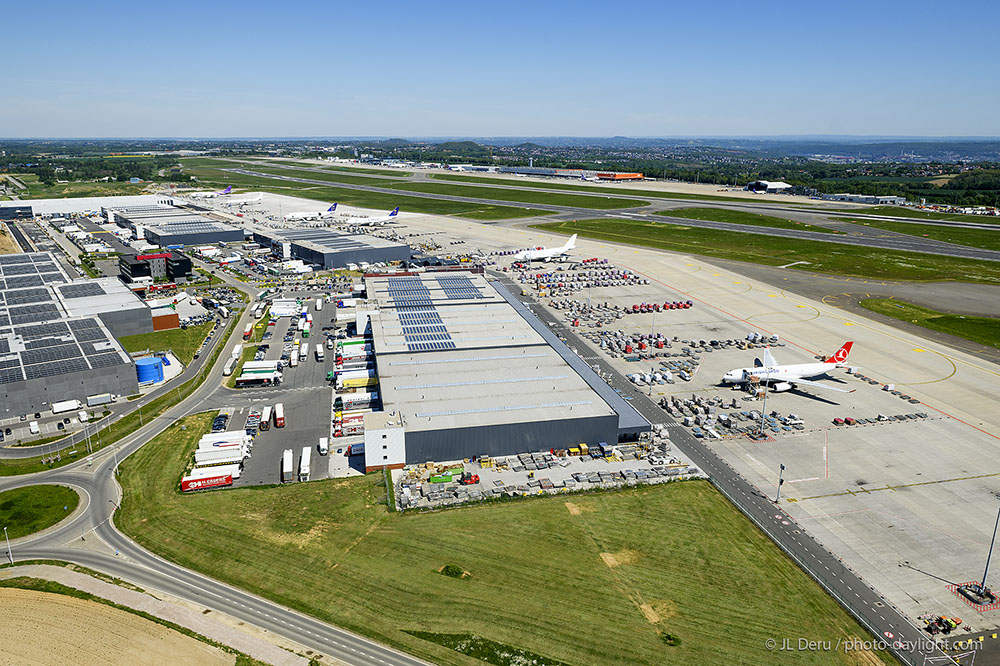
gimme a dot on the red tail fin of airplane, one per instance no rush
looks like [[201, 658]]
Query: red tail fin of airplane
[[840, 356]]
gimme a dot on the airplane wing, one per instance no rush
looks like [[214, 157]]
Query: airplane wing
[[819, 385]]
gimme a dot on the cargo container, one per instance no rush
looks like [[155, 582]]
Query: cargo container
[[305, 463], [212, 479], [66, 406], [357, 382], [230, 367], [99, 399], [207, 458], [287, 466], [261, 365], [279, 415], [253, 380], [265, 418], [350, 401]]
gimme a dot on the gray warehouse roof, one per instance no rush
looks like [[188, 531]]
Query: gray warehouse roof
[[31, 269], [324, 239], [452, 353], [37, 351]]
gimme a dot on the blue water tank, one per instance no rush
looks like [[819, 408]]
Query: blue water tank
[[149, 370]]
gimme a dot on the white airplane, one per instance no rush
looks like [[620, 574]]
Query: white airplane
[[212, 195], [591, 179], [247, 200], [544, 253], [374, 221], [786, 377], [318, 215]]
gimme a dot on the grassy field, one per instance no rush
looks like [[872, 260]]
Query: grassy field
[[324, 176], [182, 342], [7, 243], [31, 509], [984, 330], [521, 196], [562, 577], [900, 211], [328, 167], [563, 184], [37, 190], [988, 239], [740, 217], [211, 176], [823, 257]]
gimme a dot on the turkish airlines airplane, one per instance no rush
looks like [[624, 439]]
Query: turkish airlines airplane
[[545, 253], [786, 377]]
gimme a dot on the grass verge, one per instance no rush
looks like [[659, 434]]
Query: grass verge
[[27, 510], [125, 425], [182, 342], [52, 587], [823, 257], [984, 330], [521, 196], [899, 211], [544, 575], [740, 217], [987, 239], [246, 355], [210, 176]]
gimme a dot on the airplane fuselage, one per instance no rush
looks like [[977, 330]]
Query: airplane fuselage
[[780, 372]]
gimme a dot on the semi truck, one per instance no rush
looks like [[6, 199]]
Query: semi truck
[[319, 304], [279, 415], [356, 379], [324, 446], [207, 458], [349, 401], [304, 351], [320, 355], [66, 406], [305, 463], [287, 466], [99, 399]]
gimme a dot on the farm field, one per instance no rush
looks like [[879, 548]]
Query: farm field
[[657, 564]]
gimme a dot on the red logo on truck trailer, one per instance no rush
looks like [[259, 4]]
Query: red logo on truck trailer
[[210, 482]]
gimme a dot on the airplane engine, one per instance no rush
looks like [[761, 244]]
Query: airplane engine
[[781, 386]]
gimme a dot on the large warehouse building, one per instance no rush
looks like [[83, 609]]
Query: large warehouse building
[[57, 337], [462, 372], [322, 246], [168, 225]]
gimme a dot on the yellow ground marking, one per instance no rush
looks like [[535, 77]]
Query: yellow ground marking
[[772, 295], [847, 323], [918, 349]]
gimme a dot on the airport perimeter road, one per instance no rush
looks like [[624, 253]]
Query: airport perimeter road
[[871, 609], [890, 242], [91, 539]]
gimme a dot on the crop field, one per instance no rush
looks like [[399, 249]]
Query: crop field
[[984, 330], [560, 577], [31, 509], [822, 257], [210, 176], [741, 217], [987, 239], [183, 342]]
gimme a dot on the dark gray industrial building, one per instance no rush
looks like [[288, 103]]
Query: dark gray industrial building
[[322, 246], [463, 373], [57, 337], [166, 226]]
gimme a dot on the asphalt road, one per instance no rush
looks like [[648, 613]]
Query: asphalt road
[[91, 540], [883, 240], [870, 608]]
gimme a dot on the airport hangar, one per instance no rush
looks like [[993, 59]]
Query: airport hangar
[[57, 337], [326, 247], [463, 371], [169, 226]]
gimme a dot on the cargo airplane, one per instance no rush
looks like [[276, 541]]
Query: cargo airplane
[[545, 254], [786, 377], [212, 195], [374, 221], [318, 215]]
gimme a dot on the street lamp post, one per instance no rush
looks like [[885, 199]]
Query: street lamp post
[[989, 556], [781, 480], [10, 554]]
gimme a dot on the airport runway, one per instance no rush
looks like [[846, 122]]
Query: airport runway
[[870, 608], [898, 242]]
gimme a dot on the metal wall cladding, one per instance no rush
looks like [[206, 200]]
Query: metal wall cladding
[[508, 439], [33, 395]]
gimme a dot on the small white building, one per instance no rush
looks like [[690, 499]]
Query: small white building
[[385, 441], [773, 187]]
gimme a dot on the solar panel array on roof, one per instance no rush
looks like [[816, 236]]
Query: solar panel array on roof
[[22, 296], [25, 314], [33, 269], [458, 286], [81, 290]]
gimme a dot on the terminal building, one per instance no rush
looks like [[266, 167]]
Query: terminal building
[[57, 337], [463, 372], [168, 226], [329, 248]]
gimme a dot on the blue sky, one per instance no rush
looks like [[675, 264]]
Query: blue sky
[[506, 68]]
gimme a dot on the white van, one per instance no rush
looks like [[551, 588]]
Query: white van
[[33, 428], [324, 446]]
